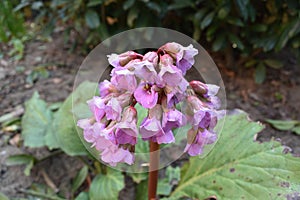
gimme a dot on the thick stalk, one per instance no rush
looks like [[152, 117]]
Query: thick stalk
[[153, 170]]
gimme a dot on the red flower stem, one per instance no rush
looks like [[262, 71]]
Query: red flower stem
[[153, 170]]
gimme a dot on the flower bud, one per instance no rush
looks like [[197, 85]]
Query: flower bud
[[171, 48], [122, 59], [199, 87]]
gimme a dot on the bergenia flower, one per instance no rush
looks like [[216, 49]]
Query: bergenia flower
[[146, 95], [145, 70], [121, 60], [113, 155], [97, 107], [198, 139], [123, 79], [126, 130], [113, 109], [172, 119], [151, 57], [152, 129], [169, 74], [106, 88], [155, 81], [184, 56]]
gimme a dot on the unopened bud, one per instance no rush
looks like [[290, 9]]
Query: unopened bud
[[199, 87]]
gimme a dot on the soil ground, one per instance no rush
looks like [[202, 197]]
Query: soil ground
[[277, 98]]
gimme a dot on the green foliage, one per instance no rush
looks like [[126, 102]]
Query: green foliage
[[36, 124], [11, 22], [79, 179], [3, 196], [42, 125], [238, 168], [64, 124], [166, 184], [285, 125], [107, 186], [22, 159], [243, 25], [39, 72]]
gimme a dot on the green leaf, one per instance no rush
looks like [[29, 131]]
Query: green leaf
[[35, 122], [138, 177], [239, 168], [250, 63], [94, 3], [164, 187], [276, 64], [173, 174], [234, 39], [154, 6], [200, 14], [28, 168], [3, 196], [296, 130], [142, 191], [242, 6], [289, 31], [260, 73], [107, 186], [207, 20], [92, 19], [22, 159], [132, 15], [50, 138], [79, 179], [64, 124], [172, 178], [219, 42], [223, 12], [179, 4], [82, 196], [128, 4], [235, 21], [283, 125], [259, 27]]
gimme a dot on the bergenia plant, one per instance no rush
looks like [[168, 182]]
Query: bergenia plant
[[155, 81]]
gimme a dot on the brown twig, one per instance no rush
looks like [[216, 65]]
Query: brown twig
[[153, 170]]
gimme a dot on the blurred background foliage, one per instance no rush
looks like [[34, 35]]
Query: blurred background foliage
[[238, 28]]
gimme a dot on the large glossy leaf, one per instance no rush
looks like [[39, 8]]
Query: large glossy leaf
[[107, 186], [64, 124], [240, 168], [35, 122]]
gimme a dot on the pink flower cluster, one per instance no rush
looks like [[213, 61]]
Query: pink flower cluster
[[155, 81]]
